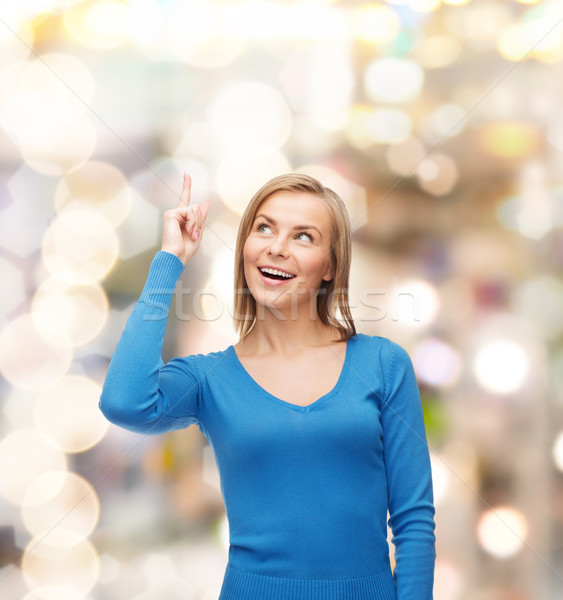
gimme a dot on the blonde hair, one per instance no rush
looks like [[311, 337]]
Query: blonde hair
[[334, 292]]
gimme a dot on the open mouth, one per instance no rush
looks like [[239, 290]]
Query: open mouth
[[275, 274]]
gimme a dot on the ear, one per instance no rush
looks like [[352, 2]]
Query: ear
[[329, 275]]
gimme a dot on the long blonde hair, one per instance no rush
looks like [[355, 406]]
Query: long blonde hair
[[334, 292]]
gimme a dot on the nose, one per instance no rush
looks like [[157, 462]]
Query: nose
[[277, 248]]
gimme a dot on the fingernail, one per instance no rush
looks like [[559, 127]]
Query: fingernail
[[197, 235]]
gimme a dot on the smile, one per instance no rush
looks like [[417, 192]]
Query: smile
[[275, 274]]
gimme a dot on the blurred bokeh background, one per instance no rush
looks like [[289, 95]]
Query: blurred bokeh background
[[440, 122]]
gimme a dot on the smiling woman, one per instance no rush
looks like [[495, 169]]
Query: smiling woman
[[294, 222], [317, 430]]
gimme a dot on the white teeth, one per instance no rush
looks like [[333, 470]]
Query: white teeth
[[276, 272]]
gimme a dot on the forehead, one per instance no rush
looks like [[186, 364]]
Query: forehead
[[296, 207]]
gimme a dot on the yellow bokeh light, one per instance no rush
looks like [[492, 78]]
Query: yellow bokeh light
[[80, 247], [357, 129], [367, 126], [424, 6], [54, 592], [510, 139], [27, 360], [60, 508], [95, 185], [99, 24], [76, 566], [13, 50], [245, 170], [69, 315], [437, 51], [376, 24], [212, 44], [502, 531], [68, 411], [533, 37], [253, 112], [26, 455]]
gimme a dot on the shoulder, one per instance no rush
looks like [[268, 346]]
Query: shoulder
[[379, 344], [205, 362]]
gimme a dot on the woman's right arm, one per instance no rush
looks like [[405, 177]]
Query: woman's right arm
[[140, 392]]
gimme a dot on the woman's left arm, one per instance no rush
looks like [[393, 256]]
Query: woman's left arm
[[409, 479]]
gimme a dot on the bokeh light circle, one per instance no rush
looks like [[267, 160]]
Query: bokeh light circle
[[26, 455], [27, 359], [253, 112], [437, 174], [69, 315], [510, 139], [376, 24], [558, 452], [389, 126], [75, 566], [245, 170], [80, 247], [68, 412], [95, 185], [61, 508], [440, 479], [393, 80], [501, 366], [54, 592], [405, 157], [414, 302], [100, 24], [14, 51], [42, 100], [72, 144], [437, 363], [502, 531], [45, 113]]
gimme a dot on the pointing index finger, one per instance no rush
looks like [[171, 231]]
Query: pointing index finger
[[186, 191]]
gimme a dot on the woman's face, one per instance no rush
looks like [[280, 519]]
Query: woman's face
[[291, 234]]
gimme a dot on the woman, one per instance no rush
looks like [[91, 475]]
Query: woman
[[317, 430]]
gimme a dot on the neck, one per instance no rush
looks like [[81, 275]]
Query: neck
[[278, 333]]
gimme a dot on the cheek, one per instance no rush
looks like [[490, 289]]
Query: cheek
[[249, 253]]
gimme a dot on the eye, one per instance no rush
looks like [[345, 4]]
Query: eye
[[260, 227], [307, 234]]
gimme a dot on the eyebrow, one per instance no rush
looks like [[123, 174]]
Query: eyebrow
[[296, 228]]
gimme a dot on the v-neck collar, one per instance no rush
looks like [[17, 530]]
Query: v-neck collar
[[305, 409]]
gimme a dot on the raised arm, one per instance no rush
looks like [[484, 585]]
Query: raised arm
[[140, 392], [409, 479]]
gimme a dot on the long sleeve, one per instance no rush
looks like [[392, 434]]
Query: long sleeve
[[409, 478], [140, 392]]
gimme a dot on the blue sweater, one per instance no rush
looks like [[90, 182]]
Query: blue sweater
[[307, 489]]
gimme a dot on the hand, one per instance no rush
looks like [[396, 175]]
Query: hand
[[183, 226]]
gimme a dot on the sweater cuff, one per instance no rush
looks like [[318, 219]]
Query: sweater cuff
[[164, 273]]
